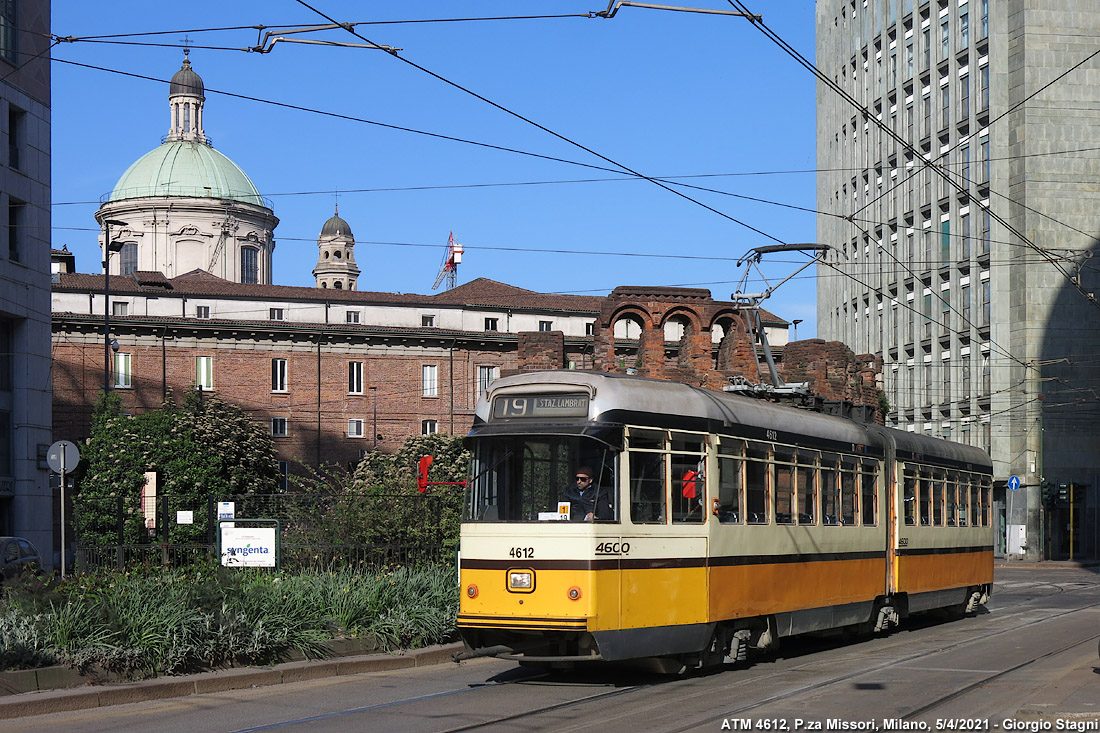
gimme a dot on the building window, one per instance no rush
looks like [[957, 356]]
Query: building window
[[122, 371], [429, 427], [278, 427], [964, 98], [355, 427], [546, 325], [429, 380], [590, 329], [983, 81], [202, 311], [278, 375], [945, 242], [250, 265], [945, 40], [204, 372], [16, 136], [128, 259], [7, 30], [964, 30], [427, 321], [984, 288], [5, 443], [352, 316], [485, 377], [491, 324], [16, 214], [284, 467], [120, 309], [275, 314], [984, 29], [355, 377]]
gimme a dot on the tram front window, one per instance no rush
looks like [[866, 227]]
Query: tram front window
[[535, 479]]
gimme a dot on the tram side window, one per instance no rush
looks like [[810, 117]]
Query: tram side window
[[937, 497], [689, 493], [756, 485], [964, 490], [952, 502], [806, 488], [830, 491], [847, 492], [784, 488], [729, 488], [975, 502], [924, 488], [869, 488], [647, 487], [987, 490], [909, 495]]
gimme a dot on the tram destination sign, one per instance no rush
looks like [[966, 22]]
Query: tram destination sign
[[541, 405]]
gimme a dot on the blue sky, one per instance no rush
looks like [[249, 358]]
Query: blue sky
[[663, 93]]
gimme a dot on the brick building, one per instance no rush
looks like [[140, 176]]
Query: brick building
[[331, 372], [334, 373]]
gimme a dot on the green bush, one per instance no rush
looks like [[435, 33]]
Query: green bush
[[180, 621]]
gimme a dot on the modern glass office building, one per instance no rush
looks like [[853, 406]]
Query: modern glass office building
[[960, 190]]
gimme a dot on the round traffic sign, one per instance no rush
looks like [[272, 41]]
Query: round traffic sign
[[63, 456]]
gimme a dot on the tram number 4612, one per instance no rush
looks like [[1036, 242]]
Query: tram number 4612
[[613, 548], [522, 553]]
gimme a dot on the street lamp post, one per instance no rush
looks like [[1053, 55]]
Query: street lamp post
[[108, 248]]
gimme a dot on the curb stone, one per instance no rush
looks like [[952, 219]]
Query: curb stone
[[45, 700]]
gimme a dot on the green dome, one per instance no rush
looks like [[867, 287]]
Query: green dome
[[186, 168]]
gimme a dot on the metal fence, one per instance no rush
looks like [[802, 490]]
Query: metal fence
[[315, 531]]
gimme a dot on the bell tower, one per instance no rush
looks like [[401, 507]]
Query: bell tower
[[336, 268]]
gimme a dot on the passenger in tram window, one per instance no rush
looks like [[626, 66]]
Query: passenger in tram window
[[586, 500], [688, 506]]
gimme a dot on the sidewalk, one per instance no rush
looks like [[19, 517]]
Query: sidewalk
[[37, 698], [1049, 564]]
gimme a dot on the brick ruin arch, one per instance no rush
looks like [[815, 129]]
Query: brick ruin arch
[[716, 345], [688, 358]]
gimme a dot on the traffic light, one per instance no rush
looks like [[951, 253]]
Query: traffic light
[[1063, 493], [1050, 495]]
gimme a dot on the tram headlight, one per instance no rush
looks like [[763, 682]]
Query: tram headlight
[[521, 580], [574, 593]]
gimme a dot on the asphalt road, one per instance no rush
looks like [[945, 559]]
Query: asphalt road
[[1028, 661]]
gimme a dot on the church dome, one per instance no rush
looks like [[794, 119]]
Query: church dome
[[336, 227], [186, 81], [186, 168]]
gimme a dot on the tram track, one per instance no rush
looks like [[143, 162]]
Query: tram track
[[734, 686], [840, 678]]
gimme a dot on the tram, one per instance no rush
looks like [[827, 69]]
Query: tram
[[730, 523]]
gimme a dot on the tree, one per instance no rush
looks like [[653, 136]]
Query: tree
[[380, 504], [201, 450]]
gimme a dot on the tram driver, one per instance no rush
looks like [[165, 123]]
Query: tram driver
[[586, 500]]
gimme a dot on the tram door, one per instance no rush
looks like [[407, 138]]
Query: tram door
[[663, 578]]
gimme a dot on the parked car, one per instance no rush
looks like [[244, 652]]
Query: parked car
[[17, 556]]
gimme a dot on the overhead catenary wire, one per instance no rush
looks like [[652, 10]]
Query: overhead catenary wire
[[908, 146], [547, 130]]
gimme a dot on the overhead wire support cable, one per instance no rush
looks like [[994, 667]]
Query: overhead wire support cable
[[545, 129]]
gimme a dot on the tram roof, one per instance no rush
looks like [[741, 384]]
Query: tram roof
[[629, 398]]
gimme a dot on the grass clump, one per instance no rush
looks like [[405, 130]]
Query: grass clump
[[186, 620]]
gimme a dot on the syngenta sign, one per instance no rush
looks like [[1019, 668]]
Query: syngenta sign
[[248, 547]]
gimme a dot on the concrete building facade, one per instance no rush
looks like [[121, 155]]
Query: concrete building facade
[[963, 212], [25, 496]]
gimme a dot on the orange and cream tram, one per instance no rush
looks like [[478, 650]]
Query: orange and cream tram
[[733, 522]]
